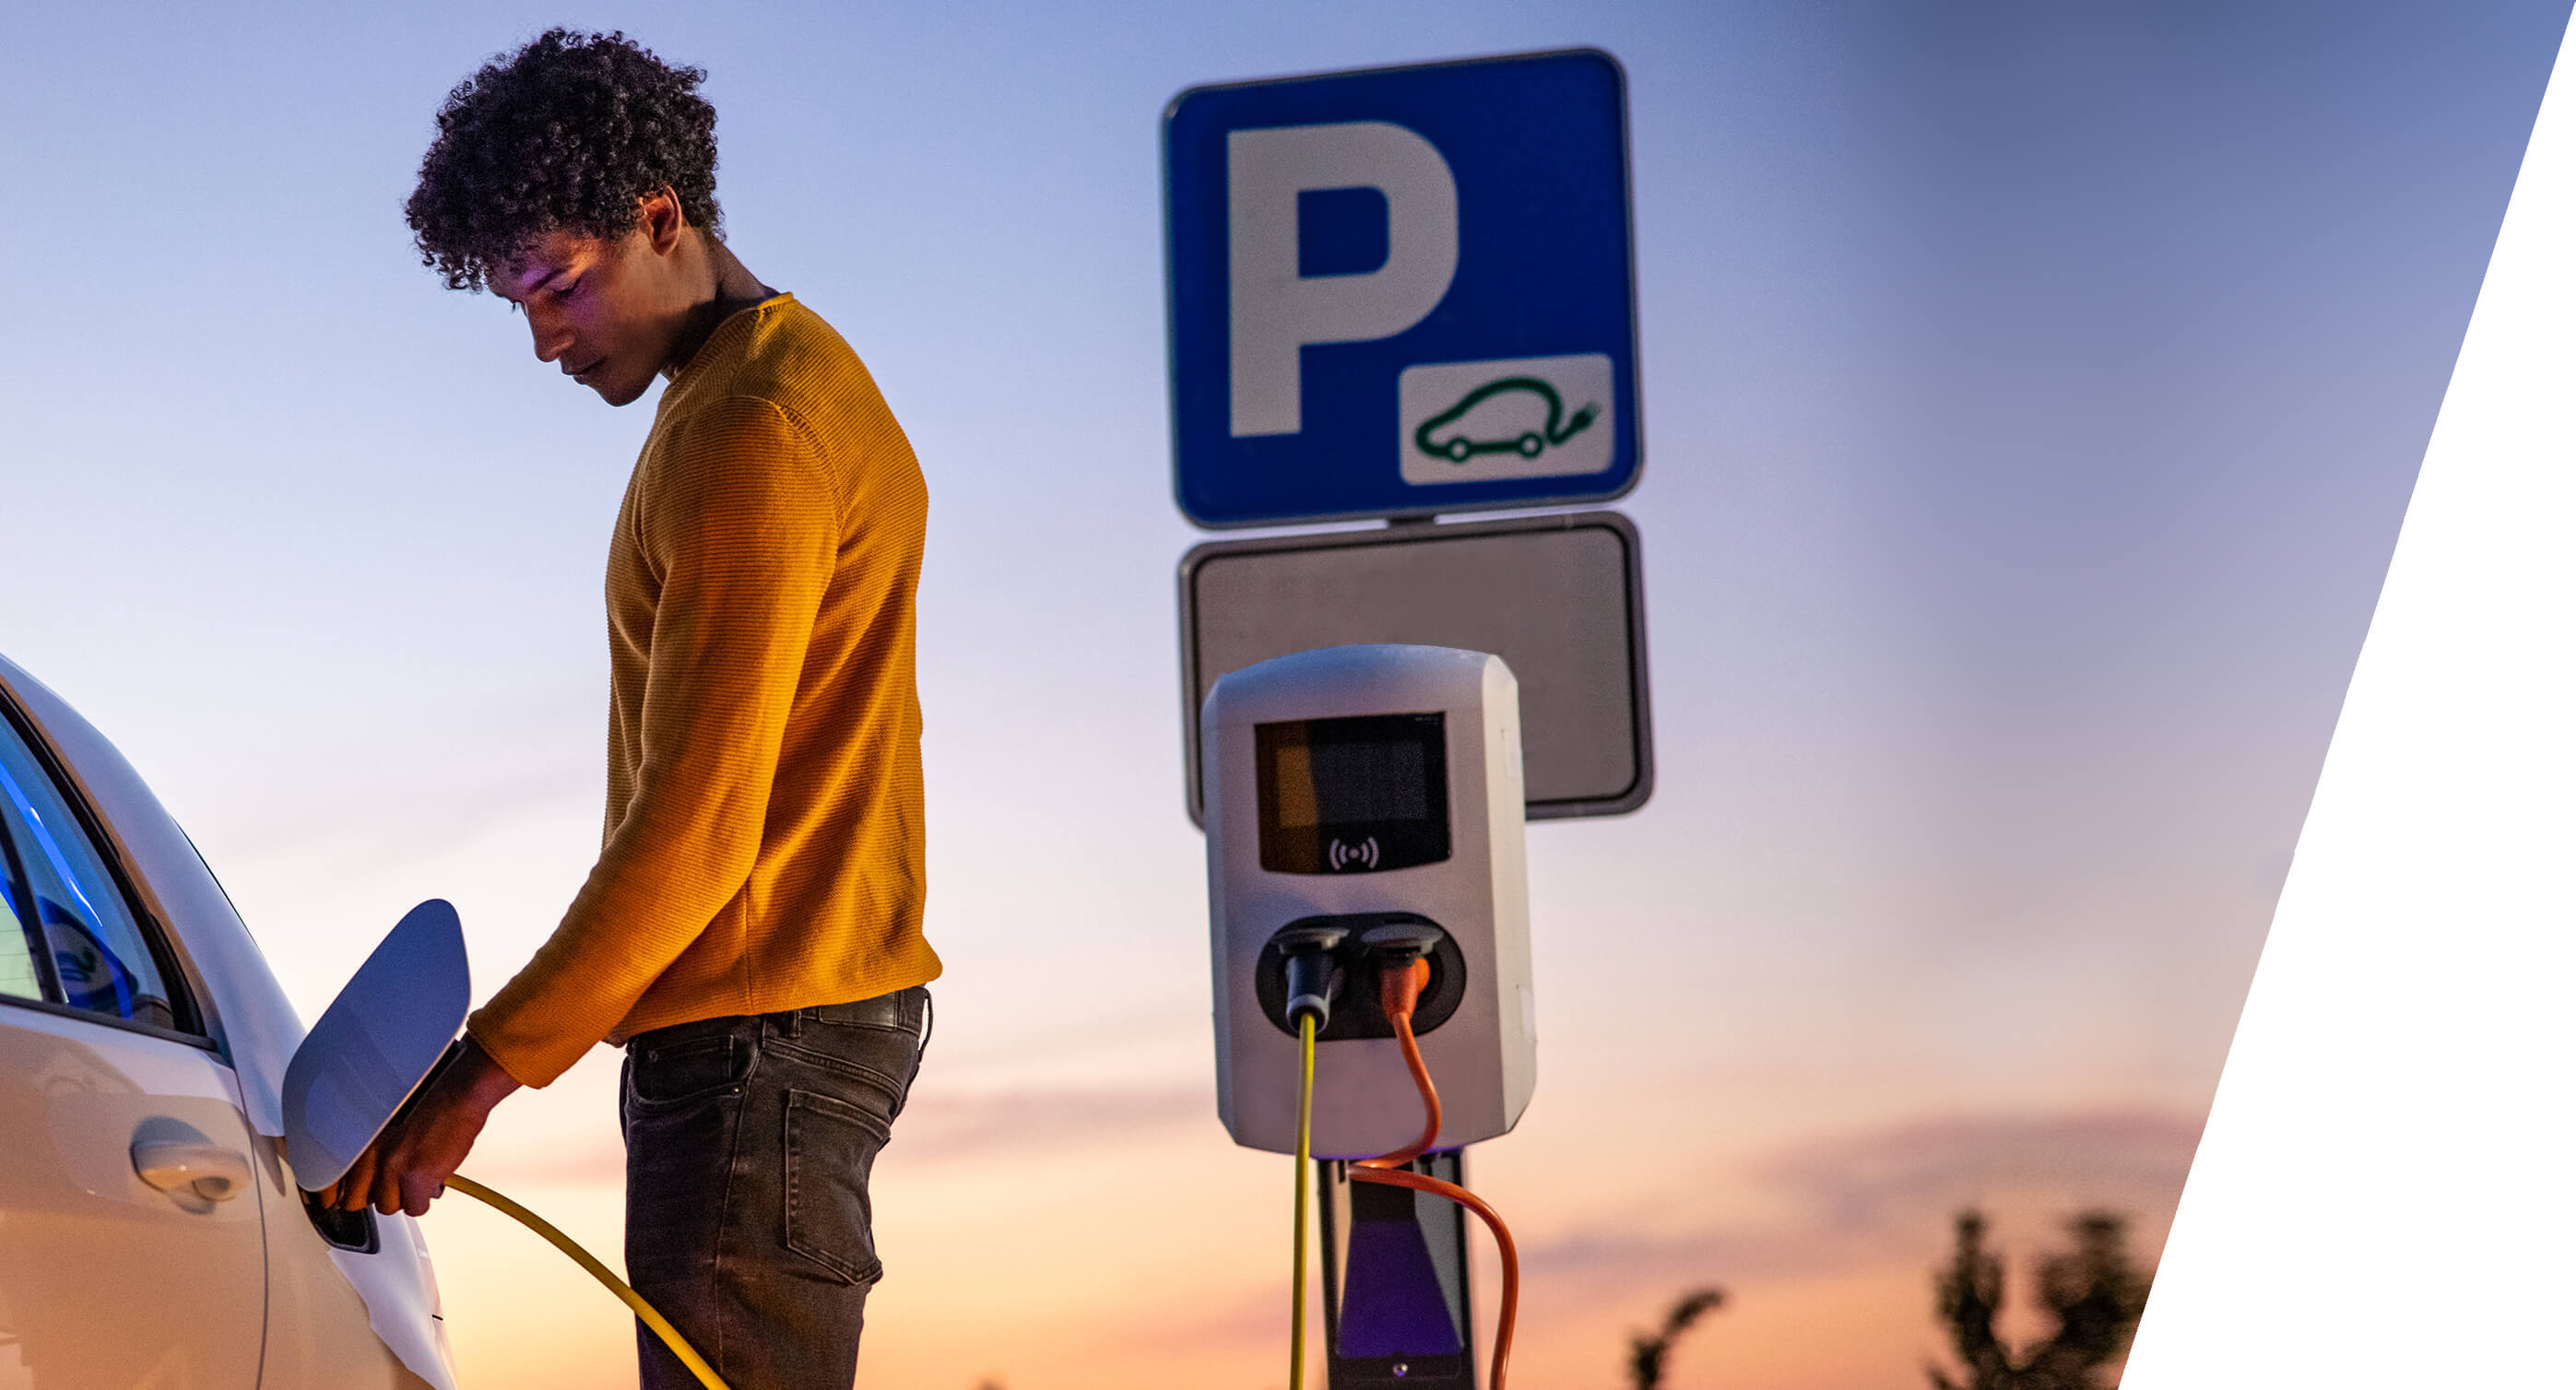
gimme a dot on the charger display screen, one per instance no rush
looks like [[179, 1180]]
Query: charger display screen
[[1355, 795]]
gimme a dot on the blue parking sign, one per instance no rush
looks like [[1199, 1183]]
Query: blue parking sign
[[1401, 291]]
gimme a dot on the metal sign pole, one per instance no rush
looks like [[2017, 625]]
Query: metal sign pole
[[1397, 1307]]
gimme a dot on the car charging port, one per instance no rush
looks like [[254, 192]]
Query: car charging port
[[1296, 953], [344, 1230]]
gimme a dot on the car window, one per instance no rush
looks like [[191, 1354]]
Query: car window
[[84, 946], [19, 945]]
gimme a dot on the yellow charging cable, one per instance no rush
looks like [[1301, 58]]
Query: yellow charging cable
[[661, 1326], [1305, 1149]]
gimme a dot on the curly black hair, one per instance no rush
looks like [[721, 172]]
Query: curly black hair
[[567, 133]]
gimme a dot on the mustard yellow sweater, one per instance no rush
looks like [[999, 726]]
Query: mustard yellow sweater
[[763, 848]]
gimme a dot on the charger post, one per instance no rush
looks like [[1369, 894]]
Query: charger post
[[1365, 808]]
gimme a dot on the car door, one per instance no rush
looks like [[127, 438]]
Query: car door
[[131, 1249]]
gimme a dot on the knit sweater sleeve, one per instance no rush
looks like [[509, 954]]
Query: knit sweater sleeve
[[741, 531]]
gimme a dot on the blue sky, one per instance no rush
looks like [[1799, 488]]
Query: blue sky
[[2031, 395]]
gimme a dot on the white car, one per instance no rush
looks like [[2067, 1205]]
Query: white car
[[152, 1236]]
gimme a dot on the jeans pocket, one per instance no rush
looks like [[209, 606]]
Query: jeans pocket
[[864, 1064], [831, 1145], [669, 1075]]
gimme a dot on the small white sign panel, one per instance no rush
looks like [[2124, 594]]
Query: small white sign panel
[[1556, 597], [1524, 417]]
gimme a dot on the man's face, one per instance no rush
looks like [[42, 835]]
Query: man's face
[[607, 310]]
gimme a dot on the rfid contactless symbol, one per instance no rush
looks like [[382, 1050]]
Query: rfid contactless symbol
[[1496, 424]]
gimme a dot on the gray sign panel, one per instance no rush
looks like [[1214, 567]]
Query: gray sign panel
[[1559, 598]]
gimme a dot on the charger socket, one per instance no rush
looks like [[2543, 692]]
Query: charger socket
[[1356, 1011]]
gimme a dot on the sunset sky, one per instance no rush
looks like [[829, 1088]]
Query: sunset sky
[[2031, 396]]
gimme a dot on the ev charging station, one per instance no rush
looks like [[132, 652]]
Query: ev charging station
[[1397, 293], [1364, 811], [1356, 797]]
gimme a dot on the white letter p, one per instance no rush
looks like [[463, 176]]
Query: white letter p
[[1275, 311]]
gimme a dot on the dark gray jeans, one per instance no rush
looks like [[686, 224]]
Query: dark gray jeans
[[748, 1145]]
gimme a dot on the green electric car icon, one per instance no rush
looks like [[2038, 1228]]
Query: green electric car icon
[[1503, 429]]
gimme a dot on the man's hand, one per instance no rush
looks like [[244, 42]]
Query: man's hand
[[412, 1160]]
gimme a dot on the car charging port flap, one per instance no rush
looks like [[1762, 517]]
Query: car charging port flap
[[1298, 951]]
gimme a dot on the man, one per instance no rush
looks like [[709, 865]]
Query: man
[[752, 931]]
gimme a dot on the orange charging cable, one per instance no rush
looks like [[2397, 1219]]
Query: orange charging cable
[[1398, 992]]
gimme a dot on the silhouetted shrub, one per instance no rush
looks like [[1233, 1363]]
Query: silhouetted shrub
[[2094, 1291], [1647, 1350]]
